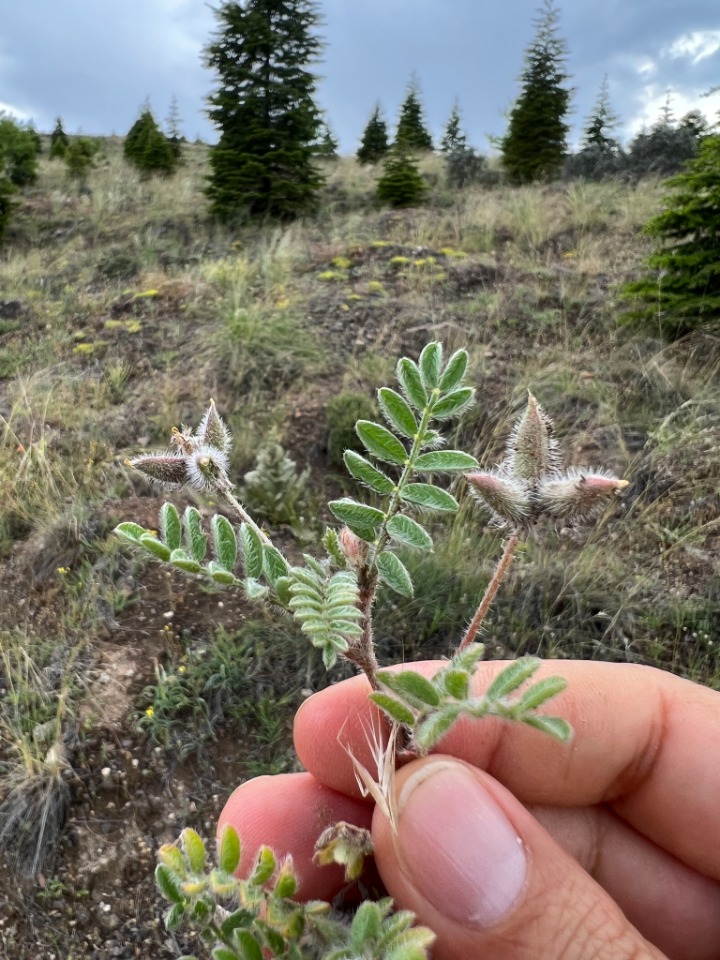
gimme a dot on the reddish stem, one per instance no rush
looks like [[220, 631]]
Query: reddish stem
[[492, 588]]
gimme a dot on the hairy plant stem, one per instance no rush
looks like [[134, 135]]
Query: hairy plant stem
[[223, 486], [362, 653], [497, 578]]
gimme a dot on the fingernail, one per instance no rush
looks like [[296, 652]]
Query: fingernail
[[462, 853]]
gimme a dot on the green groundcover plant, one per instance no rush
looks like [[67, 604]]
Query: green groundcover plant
[[331, 595]]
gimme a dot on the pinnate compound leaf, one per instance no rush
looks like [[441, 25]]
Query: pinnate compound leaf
[[380, 442], [365, 472], [512, 677], [555, 726], [229, 850], [429, 363], [393, 708], [407, 531], [392, 572], [541, 692], [247, 945], [170, 528], [252, 549], [397, 412], [452, 403], [155, 546], [454, 371], [411, 383], [237, 920], [417, 690], [167, 884], [183, 561], [434, 727], [445, 460], [195, 538], [194, 849], [430, 497], [130, 531], [224, 541]]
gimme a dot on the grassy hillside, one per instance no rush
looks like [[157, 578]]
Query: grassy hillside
[[132, 701]]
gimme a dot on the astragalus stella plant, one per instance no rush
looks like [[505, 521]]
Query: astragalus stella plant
[[331, 595]]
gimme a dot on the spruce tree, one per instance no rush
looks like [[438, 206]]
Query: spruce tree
[[453, 140], [411, 130], [58, 141], [401, 184], [374, 144], [601, 123], [148, 149], [682, 289], [327, 145], [80, 160], [264, 163], [174, 134], [19, 152], [534, 145]]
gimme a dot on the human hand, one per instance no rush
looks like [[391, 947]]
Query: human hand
[[513, 846]]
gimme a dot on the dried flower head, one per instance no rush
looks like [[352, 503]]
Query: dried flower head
[[345, 844], [532, 449], [212, 431], [170, 469], [507, 497], [578, 495]]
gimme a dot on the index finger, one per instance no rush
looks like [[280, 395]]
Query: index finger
[[646, 743]]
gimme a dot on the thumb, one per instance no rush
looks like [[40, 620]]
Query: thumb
[[481, 872]]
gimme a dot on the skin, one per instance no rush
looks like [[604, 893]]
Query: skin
[[618, 831]]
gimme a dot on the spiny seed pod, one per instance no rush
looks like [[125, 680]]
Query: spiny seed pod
[[532, 451], [170, 469], [212, 431], [506, 496], [578, 495]]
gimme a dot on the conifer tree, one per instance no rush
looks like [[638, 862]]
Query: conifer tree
[[327, 144], [534, 145], [148, 149], [19, 152], [682, 289], [80, 160], [411, 130], [58, 141], [174, 134], [601, 123], [374, 144], [264, 107], [454, 139], [401, 183]]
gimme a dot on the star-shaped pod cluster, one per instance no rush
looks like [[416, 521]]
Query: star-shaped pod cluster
[[530, 481]]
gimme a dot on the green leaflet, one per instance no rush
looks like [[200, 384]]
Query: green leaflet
[[167, 884], [436, 726], [429, 363], [170, 528], [155, 546], [452, 403], [224, 541], [183, 561], [555, 726], [394, 709], [392, 572], [398, 413], [430, 497], [130, 531], [362, 470], [454, 371], [541, 691], [252, 549], [194, 536], [407, 531], [356, 514], [274, 564], [412, 687], [194, 849], [512, 677], [229, 850], [411, 383], [445, 460], [380, 442]]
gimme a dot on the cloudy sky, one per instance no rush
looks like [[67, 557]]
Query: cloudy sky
[[93, 62]]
